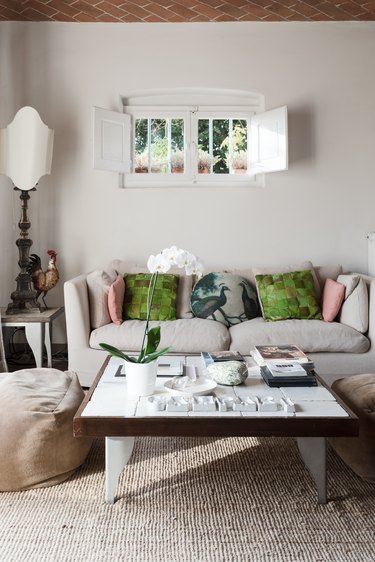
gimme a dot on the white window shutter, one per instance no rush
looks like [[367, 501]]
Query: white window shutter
[[269, 141], [111, 140]]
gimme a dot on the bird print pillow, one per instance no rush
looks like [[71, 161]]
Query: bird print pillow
[[224, 297]]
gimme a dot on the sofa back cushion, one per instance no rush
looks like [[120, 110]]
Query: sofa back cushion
[[324, 272], [98, 285]]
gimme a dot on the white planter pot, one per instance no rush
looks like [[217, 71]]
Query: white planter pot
[[140, 378]]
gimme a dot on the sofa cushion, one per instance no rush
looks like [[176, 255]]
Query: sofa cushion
[[288, 295], [185, 284], [354, 310], [224, 297], [116, 299], [183, 336], [98, 284], [310, 335], [324, 272], [137, 293], [350, 282], [333, 296]]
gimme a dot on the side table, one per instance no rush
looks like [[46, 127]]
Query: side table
[[38, 330]]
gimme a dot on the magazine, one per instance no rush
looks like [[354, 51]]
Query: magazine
[[219, 356], [286, 369], [308, 379], [291, 352]]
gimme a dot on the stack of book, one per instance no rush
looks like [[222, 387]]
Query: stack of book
[[284, 365]]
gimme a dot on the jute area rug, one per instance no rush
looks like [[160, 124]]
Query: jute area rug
[[194, 499]]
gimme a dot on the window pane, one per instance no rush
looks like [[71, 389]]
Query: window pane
[[159, 146], [239, 147], [177, 146], [141, 146], [220, 148], [204, 157]]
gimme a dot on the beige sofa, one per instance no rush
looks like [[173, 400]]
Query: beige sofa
[[336, 348]]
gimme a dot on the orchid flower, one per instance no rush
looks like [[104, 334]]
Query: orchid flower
[[161, 263], [171, 254], [158, 264], [194, 268]]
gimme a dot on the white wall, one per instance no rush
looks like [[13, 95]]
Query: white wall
[[321, 209]]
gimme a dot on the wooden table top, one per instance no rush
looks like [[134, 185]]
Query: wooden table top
[[44, 316]]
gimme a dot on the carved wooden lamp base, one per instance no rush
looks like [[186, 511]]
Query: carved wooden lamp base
[[24, 297]]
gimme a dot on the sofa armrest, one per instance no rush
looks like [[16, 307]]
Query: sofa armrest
[[77, 312]]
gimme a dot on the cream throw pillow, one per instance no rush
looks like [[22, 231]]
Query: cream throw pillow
[[354, 310], [98, 284]]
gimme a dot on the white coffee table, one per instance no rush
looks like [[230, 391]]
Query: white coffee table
[[108, 412]]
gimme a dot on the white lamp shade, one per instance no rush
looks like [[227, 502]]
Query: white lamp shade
[[26, 149]]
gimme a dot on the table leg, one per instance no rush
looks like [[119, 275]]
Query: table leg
[[34, 332], [117, 454], [47, 342], [313, 452]]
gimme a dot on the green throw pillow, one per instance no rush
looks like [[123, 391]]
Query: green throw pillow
[[164, 301], [288, 295], [224, 297]]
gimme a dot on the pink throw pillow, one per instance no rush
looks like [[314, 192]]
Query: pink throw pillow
[[116, 299], [333, 296]]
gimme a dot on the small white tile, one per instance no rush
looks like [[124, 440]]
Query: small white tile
[[215, 414], [319, 409], [279, 414]]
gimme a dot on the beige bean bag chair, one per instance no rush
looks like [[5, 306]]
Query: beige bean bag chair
[[37, 447], [358, 392]]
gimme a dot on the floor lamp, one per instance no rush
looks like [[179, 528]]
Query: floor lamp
[[26, 146]]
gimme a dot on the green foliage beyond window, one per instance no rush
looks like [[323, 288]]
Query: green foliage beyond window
[[159, 146], [136, 291], [151, 135]]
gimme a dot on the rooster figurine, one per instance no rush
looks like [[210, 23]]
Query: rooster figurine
[[43, 280]]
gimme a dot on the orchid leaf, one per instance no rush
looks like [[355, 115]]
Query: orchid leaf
[[153, 340], [117, 353], [153, 356]]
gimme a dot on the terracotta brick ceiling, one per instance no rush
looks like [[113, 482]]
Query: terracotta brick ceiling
[[148, 11]]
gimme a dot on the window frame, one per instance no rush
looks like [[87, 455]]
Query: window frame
[[191, 114]]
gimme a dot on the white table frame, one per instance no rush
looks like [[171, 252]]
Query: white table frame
[[118, 451]]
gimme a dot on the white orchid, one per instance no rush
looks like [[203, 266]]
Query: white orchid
[[158, 264], [194, 268], [183, 260], [171, 254], [161, 263]]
